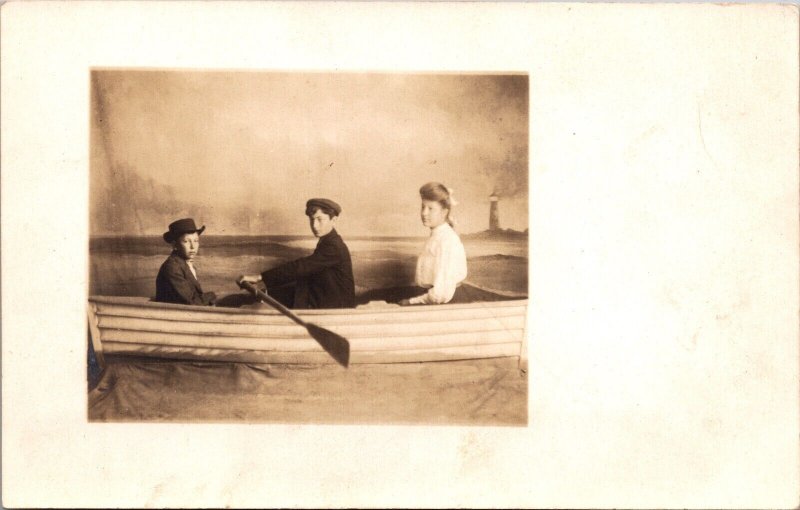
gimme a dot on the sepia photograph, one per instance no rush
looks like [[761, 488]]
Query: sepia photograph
[[308, 247], [319, 254]]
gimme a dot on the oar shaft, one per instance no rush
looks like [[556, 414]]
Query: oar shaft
[[263, 296], [335, 345]]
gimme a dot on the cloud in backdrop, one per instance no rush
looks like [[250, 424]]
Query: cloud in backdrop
[[242, 151]]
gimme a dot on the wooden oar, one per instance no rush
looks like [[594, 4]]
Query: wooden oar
[[335, 345]]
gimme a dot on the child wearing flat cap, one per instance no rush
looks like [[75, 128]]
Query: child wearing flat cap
[[177, 279], [324, 279]]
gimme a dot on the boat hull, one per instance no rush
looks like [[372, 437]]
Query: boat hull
[[139, 327]]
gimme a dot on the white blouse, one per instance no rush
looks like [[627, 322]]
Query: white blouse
[[441, 267]]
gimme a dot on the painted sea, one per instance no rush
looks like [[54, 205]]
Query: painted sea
[[127, 266], [470, 392]]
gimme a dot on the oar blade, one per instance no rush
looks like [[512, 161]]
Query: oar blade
[[335, 345]]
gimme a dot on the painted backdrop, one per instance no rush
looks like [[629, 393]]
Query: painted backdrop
[[242, 151]]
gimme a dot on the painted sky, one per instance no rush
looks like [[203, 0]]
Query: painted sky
[[241, 152]]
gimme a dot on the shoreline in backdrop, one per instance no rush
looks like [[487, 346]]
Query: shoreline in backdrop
[[508, 234], [127, 265]]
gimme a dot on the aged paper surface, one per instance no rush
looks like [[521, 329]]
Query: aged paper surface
[[664, 259]]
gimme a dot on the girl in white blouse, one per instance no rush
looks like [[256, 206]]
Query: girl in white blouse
[[442, 265]]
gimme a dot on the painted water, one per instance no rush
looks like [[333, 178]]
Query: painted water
[[127, 266]]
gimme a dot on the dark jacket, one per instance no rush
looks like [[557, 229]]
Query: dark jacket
[[175, 283], [324, 279]]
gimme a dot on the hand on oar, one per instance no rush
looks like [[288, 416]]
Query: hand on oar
[[335, 345], [254, 279]]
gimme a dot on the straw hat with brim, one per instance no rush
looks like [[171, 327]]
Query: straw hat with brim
[[180, 227]]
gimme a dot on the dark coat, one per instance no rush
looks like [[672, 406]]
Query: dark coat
[[324, 279], [175, 283]]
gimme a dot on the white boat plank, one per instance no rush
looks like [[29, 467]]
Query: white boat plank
[[523, 349], [94, 334], [289, 357], [292, 330], [482, 351], [137, 326], [308, 344], [211, 354]]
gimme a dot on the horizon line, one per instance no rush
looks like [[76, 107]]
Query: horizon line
[[308, 234]]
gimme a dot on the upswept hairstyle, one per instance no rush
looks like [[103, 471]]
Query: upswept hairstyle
[[438, 192]]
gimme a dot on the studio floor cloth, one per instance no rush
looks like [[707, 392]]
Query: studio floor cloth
[[476, 392]]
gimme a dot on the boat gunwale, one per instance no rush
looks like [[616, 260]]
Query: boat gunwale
[[142, 302]]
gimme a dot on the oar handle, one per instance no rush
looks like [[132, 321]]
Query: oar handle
[[263, 296]]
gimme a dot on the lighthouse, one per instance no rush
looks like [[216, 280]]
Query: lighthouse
[[494, 214]]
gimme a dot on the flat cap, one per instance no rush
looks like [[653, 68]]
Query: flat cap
[[323, 203]]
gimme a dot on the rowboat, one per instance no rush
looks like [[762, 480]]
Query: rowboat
[[136, 326]]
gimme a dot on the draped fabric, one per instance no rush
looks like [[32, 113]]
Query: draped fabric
[[478, 392]]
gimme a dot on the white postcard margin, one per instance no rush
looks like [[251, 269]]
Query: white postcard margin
[[663, 260]]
